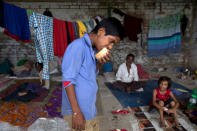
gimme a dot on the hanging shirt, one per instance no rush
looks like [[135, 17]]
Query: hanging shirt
[[98, 19], [76, 30], [68, 34], [1, 14], [88, 27], [43, 30], [16, 23], [123, 74], [91, 23], [60, 38], [46, 82], [79, 68], [132, 27], [94, 22], [70, 31], [82, 29]]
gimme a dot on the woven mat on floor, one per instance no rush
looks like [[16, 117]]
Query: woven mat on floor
[[150, 121]]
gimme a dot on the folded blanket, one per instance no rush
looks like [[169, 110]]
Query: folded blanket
[[141, 73]]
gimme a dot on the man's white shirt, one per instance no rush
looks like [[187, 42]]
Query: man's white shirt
[[123, 74]]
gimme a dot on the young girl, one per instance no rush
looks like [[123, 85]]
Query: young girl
[[164, 100]]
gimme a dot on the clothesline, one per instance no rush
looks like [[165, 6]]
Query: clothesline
[[51, 35], [29, 12]]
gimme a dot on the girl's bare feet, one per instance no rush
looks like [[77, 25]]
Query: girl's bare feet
[[178, 126], [162, 125]]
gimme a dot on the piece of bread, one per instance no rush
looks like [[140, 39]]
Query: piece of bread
[[165, 109], [101, 53]]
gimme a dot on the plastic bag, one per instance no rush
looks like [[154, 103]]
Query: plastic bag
[[7, 127], [46, 124]]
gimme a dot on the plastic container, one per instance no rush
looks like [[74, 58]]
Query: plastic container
[[194, 93], [108, 67]]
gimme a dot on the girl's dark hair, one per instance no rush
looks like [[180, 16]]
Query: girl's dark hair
[[164, 78], [112, 27]]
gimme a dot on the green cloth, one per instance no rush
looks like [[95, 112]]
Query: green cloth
[[21, 62], [194, 93], [165, 23]]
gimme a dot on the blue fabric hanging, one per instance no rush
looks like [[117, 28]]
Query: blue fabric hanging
[[16, 22]]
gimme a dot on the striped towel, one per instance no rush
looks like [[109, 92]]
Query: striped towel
[[164, 36]]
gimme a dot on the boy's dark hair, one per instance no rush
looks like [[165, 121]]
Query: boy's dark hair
[[165, 78], [37, 63], [112, 27], [130, 55]]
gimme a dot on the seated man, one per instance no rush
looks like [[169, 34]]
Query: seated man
[[127, 76]]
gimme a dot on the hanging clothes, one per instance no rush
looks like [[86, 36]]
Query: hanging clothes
[[16, 23], [88, 27], [68, 35], [70, 31], [164, 36], [98, 19], [1, 14], [94, 22], [132, 27], [82, 29], [43, 30], [60, 40], [76, 29], [47, 12], [91, 23], [184, 21], [84, 24]]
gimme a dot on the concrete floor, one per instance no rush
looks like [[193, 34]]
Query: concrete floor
[[106, 102]]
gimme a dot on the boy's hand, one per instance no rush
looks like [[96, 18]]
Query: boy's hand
[[78, 121], [105, 58]]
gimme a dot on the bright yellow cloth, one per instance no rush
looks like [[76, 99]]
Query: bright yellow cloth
[[82, 29]]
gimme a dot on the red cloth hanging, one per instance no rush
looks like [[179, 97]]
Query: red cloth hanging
[[60, 41], [71, 31], [132, 27]]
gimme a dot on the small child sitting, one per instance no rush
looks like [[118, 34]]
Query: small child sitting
[[164, 100]]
